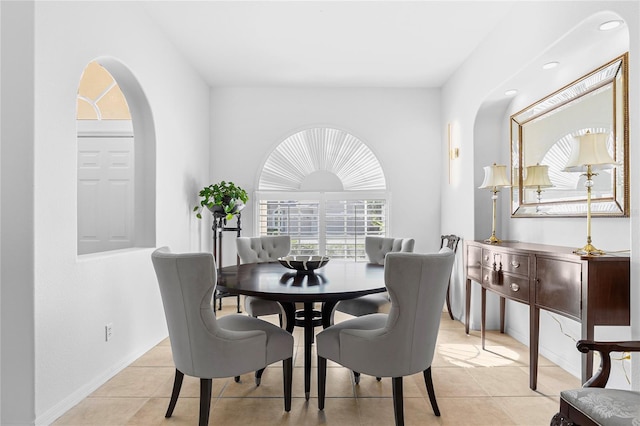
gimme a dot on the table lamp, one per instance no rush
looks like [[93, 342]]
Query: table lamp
[[537, 177], [589, 152], [495, 177]]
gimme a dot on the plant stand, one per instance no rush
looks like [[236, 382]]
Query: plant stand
[[220, 226]]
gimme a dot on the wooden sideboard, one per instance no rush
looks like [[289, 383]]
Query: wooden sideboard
[[593, 290]]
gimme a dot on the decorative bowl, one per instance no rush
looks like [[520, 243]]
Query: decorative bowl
[[304, 263]]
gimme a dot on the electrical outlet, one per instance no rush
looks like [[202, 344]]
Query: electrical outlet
[[108, 332]]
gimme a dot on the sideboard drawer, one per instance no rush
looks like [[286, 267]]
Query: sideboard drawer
[[507, 285], [508, 262], [516, 263], [558, 286]]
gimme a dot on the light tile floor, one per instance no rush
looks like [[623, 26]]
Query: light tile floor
[[473, 387]]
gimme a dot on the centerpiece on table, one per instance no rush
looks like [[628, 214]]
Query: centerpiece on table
[[223, 199]]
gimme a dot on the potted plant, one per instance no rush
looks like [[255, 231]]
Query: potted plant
[[222, 199]]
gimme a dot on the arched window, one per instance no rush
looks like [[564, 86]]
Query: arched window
[[326, 189], [114, 171]]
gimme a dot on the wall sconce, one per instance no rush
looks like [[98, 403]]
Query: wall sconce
[[495, 177], [454, 152], [588, 153]]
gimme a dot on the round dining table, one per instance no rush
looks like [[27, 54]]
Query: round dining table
[[336, 281]]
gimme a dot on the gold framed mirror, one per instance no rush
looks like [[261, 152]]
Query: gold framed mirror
[[542, 134]]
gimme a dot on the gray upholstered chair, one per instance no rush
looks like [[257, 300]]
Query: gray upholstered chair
[[593, 404], [376, 249], [401, 342], [450, 241], [204, 346], [261, 250]]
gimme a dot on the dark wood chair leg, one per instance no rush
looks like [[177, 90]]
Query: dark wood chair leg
[[322, 381], [448, 299], [398, 403], [177, 385], [287, 378], [356, 377], [237, 379], [559, 420], [238, 304], [431, 391], [259, 376], [205, 401]]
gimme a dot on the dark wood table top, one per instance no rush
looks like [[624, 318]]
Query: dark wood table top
[[338, 280]]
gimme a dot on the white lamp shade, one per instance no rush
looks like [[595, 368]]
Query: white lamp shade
[[495, 176], [589, 149], [537, 176]]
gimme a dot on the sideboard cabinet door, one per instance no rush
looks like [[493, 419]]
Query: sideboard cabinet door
[[558, 286]]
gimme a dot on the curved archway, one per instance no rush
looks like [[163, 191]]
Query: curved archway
[[138, 213]]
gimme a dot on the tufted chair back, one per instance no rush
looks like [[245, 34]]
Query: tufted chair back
[[263, 249], [378, 247], [200, 347], [207, 347], [400, 343]]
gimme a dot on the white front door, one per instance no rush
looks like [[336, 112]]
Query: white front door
[[105, 193]]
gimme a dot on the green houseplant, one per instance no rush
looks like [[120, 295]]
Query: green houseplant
[[223, 199]]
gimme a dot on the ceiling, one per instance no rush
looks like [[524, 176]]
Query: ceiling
[[326, 43], [392, 43]]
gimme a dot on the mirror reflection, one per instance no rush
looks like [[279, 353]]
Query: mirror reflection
[[542, 136]]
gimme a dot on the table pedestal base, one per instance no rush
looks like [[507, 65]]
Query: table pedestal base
[[308, 321]]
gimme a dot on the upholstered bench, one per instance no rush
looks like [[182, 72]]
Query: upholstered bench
[[595, 405]]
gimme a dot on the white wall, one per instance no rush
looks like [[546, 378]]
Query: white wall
[[400, 126], [17, 203], [500, 57], [75, 297]]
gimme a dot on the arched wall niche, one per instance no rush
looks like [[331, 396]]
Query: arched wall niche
[[144, 217], [579, 51]]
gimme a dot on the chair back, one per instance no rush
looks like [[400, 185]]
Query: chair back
[[263, 249], [201, 348], [450, 241], [417, 284], [377, 248]]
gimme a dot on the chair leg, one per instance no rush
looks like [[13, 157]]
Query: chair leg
[[398, 403], [177, 385], [431, 391], [280, 319], [448, 299], [259, 376], [205, 401], [287, 378], [238, 304], [322, 381], [356, 377]]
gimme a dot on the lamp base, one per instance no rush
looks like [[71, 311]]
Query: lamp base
[[493, 240], [589, 250]]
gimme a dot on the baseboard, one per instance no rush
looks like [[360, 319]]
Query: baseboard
[[564, 363], [76, 397]]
